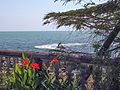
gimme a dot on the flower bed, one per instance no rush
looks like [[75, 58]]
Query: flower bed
[[55, 75]]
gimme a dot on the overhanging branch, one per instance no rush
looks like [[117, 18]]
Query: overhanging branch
[[109, 40]]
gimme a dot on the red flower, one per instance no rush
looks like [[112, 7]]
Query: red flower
[[55, 60], [34, 66], [25, 62]]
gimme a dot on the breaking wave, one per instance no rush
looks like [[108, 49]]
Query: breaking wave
[[54, 45]]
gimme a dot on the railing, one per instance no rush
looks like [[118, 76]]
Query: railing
[[71, 65]]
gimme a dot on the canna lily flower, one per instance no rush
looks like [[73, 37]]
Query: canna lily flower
[[55, 60], [25, 62], [34, 66]]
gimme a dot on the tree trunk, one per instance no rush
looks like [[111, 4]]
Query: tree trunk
[[109, 40]]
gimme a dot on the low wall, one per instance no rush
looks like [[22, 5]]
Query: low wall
[[78, 65], [47, 56]]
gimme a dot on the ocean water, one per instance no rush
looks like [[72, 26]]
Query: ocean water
[[40, 41]]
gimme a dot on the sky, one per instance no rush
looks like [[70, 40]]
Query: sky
[[27, 15]]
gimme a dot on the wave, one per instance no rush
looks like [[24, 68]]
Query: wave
[[54, 45]]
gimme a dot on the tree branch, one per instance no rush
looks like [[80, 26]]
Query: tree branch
[[109, 40]]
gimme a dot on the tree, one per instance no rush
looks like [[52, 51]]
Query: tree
[[103, 18]]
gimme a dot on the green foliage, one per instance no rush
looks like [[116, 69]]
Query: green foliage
[[102, 18], [24, 78], [106, 76], [24, 56]]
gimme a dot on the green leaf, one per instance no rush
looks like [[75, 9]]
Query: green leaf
[[18, 78], [29, 73], [24, 55], [25, 77], [17, 69], [30, 60], [52, 79], [12, 79]]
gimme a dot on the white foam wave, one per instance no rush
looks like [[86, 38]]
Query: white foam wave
[[53, 46]]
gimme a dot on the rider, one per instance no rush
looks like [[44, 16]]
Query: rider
[[60, 46]]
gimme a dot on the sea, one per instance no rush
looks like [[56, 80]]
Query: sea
[[43, 41]]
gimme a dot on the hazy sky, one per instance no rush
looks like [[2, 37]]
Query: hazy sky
[[27, 15]]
